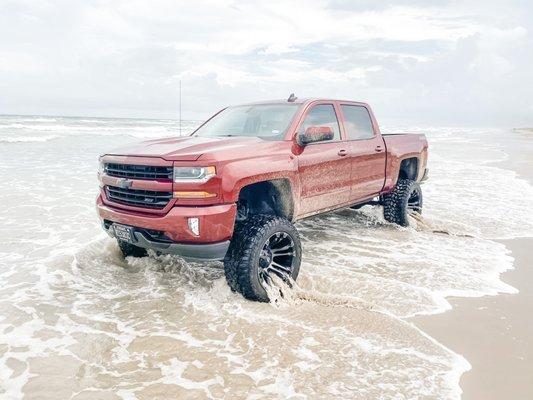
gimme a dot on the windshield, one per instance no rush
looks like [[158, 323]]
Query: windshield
[[267, 121]]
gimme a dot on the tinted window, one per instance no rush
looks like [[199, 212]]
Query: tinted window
[[322, 115], [357, 122]]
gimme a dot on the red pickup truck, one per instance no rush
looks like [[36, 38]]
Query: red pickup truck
[[232, 190]]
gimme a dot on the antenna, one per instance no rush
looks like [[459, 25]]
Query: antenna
[[180, 106], [292, 98]]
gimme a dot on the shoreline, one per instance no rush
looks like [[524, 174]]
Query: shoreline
[[494, 332]]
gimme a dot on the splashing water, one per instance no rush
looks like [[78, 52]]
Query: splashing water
[[77, 320]]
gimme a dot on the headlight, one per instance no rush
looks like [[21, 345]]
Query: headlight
[[101, 168], [193, 174]]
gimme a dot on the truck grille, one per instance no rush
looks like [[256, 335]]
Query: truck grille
[[138, 198], [147, 172]]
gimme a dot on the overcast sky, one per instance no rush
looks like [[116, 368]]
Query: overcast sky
[[416, 62]]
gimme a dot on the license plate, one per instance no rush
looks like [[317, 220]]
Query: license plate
[[123, 232]]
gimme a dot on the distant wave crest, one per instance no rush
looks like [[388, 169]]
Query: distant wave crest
[[26, 139]]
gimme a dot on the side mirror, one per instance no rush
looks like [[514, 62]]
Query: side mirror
[[315, 134]]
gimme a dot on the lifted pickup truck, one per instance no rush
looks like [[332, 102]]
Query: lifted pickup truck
[[232, 190]]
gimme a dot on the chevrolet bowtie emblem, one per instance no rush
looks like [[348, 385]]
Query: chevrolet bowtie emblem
[[124, 183]]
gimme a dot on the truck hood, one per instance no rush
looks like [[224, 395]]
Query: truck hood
[[188, 148]]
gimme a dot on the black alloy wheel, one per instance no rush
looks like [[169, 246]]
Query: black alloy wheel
[[277, 258], [264, 248], [414, 202]]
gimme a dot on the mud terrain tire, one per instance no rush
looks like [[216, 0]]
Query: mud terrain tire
[[406, 197], [246, 254], [129, 249]]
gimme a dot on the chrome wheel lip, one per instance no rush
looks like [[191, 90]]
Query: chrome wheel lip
[[277, 257]]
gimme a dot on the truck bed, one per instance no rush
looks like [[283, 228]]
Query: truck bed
[[401, 146], [405, 143]]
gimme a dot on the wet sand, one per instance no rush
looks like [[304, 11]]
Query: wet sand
[[495, 333]]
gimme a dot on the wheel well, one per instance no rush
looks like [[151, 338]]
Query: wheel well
[[272, 197], [409, 169]]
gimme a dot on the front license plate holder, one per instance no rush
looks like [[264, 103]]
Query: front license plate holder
[[123, 232]]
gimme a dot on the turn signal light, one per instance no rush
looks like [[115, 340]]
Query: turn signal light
[[194, 195]]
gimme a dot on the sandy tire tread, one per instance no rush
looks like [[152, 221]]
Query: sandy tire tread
[[395, 202], [247, 237]]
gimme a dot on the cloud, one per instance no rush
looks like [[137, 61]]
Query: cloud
[[442, 62]]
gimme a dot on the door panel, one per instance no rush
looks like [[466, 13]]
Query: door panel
[[368, 167], [324, 167], [367, 151], [324, 176]]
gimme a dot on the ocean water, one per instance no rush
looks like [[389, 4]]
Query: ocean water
[[79, 322]]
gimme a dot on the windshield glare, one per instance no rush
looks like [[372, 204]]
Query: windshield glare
[[267, 121]]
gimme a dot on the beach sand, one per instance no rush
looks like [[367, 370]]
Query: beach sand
[[495, 333]]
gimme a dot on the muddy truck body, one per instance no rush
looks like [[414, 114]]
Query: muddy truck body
[[232, 190]]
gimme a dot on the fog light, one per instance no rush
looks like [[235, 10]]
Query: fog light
[[194, 226]]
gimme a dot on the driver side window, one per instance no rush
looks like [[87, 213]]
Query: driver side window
[[322, 115]]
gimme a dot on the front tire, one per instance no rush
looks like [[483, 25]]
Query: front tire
[[128, 249], [404, 199], [263, 247]]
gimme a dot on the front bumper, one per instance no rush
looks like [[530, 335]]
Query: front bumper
[[216, 229], [193, 252]]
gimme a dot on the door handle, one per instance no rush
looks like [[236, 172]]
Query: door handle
[[342, 153], [379, 149]]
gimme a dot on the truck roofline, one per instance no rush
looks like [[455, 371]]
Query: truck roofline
[[302, 101]]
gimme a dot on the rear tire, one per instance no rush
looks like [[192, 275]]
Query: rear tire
[[129, 250], [406, 198], [262, 245]]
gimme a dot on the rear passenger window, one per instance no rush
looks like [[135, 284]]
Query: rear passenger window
[[322, 115], [357, 122]]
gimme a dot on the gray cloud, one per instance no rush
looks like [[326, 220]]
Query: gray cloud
[[444, 63]]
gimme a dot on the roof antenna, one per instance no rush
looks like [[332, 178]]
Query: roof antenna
[[180, 106], [292, 98]]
